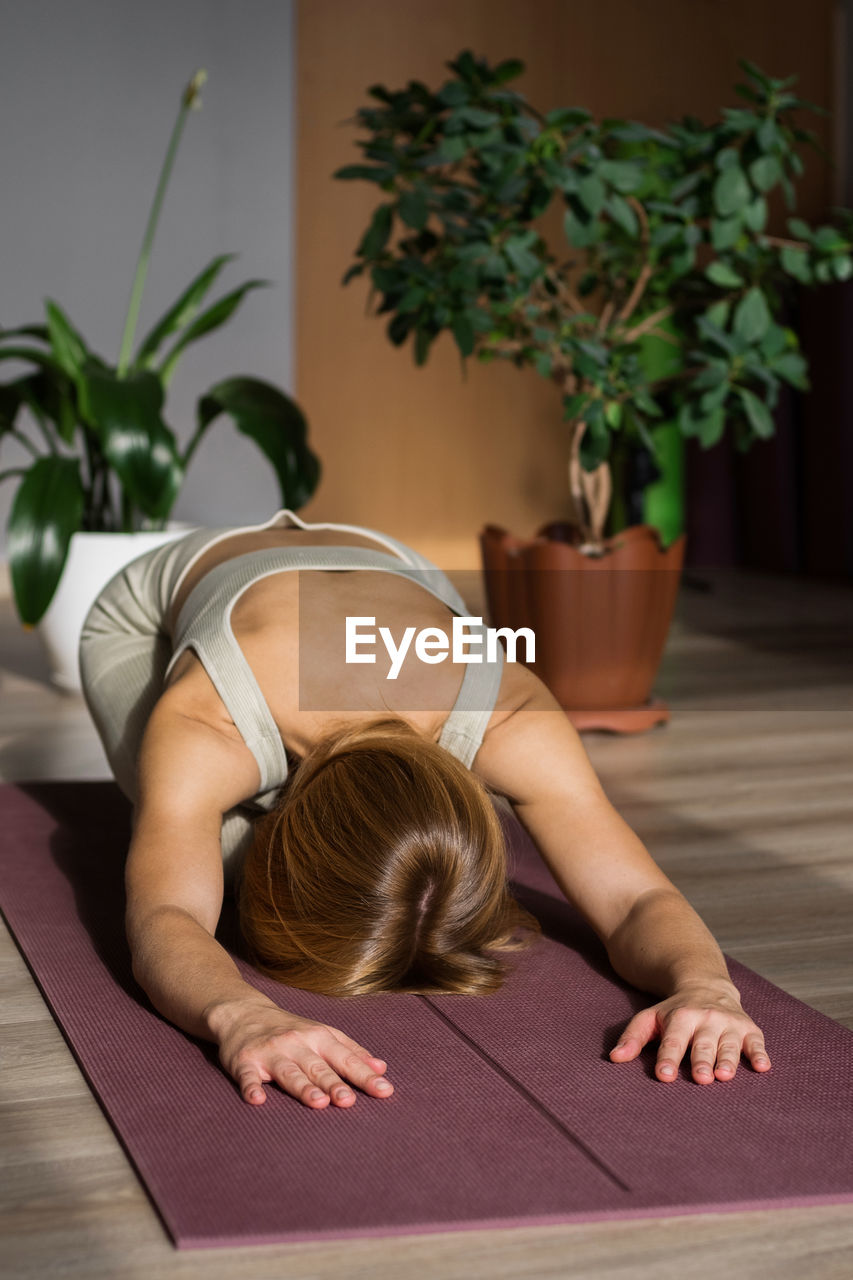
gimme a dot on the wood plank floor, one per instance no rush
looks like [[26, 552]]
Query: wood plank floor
[[746, 801]]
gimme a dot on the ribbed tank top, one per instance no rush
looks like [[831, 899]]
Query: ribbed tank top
[[204, 625]]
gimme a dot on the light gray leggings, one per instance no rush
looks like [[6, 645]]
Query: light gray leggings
[[124, 652]]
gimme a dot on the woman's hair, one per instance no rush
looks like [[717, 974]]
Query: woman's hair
[[383, 869]]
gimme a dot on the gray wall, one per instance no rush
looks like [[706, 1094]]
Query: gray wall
[[89, 92]]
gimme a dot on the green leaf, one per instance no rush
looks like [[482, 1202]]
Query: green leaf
[[399, 328], [452, 149], [463, 332], [567, 117], [573, 406], [414, 209], [135, 440], [181, 313], [276, 424], [714, 398], [476, 117], [366, 172], [68, 347], [50, 398], [376, 236], [752, 316], [595, 443], [765, 172], [592, 194], [711, 428], [623, 215], [579, 234], [725, 232], [209, 320], [731, 191], [26, 331], [755, 214], [10, 403], [713, 375], [796, 263], [412, 299], [32, 354], [453, 93], [800, 229], [793, 368], [613, 414], [717, 336], [47, 510], [830, 240], [527, 264], [423, 341], [728, 158], [842, 267], [621, 174], [720, 273], [760, 418], [718, 314], [774, 341], [507, 70], [706, 427], [768, 135]]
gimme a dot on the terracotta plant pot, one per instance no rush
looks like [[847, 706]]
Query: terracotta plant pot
[[600, 622]]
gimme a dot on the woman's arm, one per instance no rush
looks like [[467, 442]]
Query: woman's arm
[[654, 938], [190, 774]]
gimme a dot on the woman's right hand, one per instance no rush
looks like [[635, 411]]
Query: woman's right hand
[[259, 1043]]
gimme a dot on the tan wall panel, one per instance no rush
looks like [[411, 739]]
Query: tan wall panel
[[422, 453]]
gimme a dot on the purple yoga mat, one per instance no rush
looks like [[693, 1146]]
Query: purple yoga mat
[[506, 1108]]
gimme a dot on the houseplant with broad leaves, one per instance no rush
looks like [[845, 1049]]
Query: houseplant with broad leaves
[[103, 459], [664, 247]]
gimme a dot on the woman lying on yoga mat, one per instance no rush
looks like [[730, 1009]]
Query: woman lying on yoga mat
[[381, 865]]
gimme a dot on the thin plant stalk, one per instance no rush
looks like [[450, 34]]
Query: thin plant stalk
[[189, 100]]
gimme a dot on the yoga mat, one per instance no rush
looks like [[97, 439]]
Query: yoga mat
[[506, 1110]]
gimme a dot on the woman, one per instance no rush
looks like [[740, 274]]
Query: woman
[[208, 663]]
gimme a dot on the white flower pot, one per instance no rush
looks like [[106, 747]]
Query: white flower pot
[[93, 559]]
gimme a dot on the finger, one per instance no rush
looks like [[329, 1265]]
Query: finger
[[637, 1033], [755, 1050], [322, 1076], [703, 1055], [673, 1047], [298, 1084], [353, 1067], [250, 1079], [728, 1057], [379, 1063]]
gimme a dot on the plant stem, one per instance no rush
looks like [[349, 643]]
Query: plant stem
[[22, 439], [126, 513], [13, 471], [193, 445], [188, 98]]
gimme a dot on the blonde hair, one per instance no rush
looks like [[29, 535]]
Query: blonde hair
[[382, 869]]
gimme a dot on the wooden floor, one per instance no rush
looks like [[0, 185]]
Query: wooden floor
[[746, 801]]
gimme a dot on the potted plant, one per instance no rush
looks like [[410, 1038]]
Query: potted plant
[[106, 469], [662, 303]]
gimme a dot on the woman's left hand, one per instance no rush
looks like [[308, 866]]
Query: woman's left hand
[[708, 1015]]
